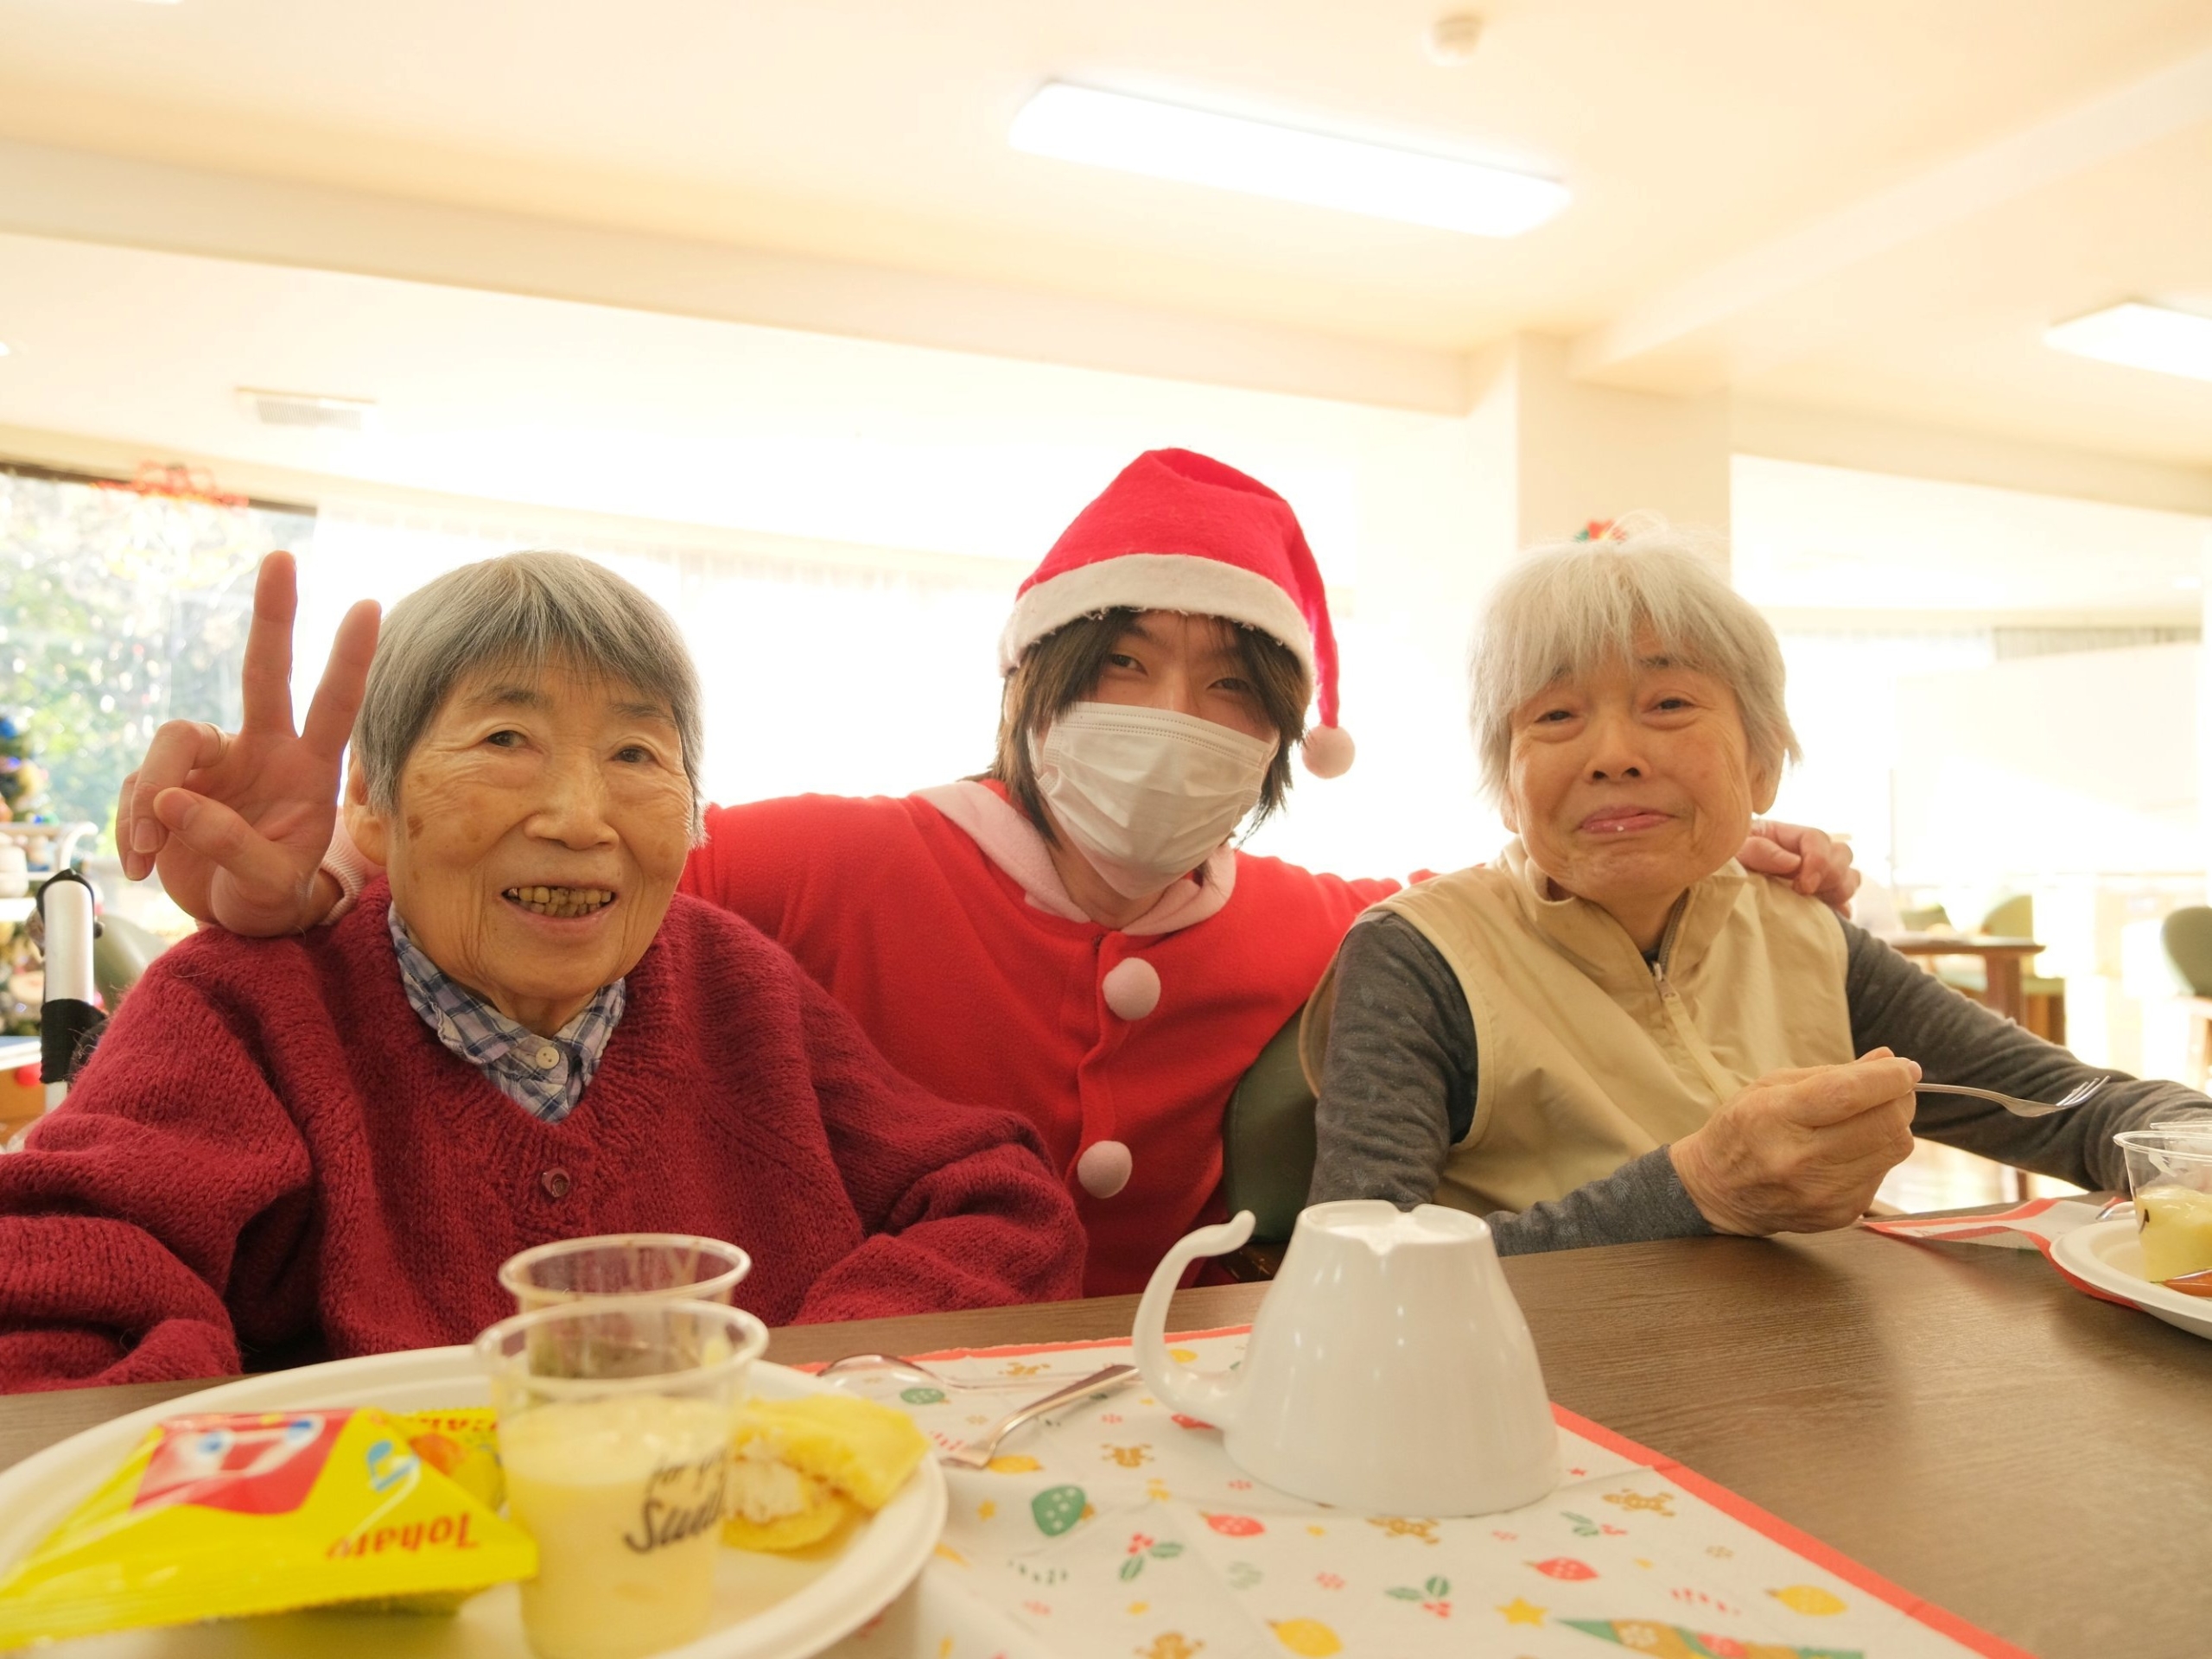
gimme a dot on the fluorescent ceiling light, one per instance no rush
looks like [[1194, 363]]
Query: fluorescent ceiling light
[[2142, 337], [308, 409], [1197, 147]]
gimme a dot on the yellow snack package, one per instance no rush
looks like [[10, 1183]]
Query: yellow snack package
[[804, 1464], [219, 1516], [462, 1444]]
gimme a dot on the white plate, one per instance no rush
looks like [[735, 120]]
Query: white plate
[[2109, 1255], [765, 1607]]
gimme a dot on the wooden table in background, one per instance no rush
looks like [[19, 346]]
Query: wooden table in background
[[1955, 1417], [2003, 960]]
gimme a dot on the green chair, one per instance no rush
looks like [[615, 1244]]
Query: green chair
[[1267, 1151], [2187, 936], [2044, 997]]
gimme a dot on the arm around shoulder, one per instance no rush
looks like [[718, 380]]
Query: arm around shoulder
[[756, 857]]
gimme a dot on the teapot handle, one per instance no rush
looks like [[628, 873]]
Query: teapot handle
[[1211, 1395]]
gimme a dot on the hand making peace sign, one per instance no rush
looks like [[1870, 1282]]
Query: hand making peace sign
[[237, 823]]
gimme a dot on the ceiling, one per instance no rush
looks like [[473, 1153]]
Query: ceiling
[[1871, 205], [1820, 542]]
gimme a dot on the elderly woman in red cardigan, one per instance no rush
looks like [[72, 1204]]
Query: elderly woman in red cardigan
[[325, 1145]]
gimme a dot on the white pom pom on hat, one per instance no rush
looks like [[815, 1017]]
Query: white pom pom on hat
[[1176, 531], [1328, 751]]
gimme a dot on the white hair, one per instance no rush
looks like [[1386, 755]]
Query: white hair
[[530, 609], [1573, 607]]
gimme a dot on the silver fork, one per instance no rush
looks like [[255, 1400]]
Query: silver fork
[[2073, 1096], [855, 1364], [978, 1452]]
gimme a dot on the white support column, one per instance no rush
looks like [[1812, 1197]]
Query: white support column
[[1588, 452]]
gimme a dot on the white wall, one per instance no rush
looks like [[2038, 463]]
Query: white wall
[[2084, 762], [632, 434]]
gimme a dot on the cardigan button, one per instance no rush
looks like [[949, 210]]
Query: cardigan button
[[1103, 1169], [1132, 988], [555, 1183]]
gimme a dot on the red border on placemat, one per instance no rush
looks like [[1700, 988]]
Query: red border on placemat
[[1968, 1234], [1939, 1619]]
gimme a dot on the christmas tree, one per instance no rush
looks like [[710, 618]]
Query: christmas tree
[[22, 781]]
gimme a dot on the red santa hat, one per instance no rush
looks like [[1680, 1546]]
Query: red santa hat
[[1179, 532]]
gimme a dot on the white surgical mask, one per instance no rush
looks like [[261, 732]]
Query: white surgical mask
[[1147, 794]]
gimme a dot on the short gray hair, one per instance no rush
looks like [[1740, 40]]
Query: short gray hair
[[1570, 608], [526, 609]]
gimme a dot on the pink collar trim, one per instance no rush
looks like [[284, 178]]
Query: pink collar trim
[[1012, 842]]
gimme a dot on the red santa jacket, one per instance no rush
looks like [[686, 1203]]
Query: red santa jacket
[[946, 941], [272, 1159]]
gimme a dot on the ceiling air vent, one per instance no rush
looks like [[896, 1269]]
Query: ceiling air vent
[[308, 409]]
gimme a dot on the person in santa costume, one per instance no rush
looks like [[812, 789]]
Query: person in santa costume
[[1073, 934]]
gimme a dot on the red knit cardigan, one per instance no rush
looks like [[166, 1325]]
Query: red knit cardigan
[[270, 1159]]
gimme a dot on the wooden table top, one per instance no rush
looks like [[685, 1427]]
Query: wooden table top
[[1969, 945], [1954, 1416]]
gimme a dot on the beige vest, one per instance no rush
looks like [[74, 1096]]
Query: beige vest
[[1586, 1057]]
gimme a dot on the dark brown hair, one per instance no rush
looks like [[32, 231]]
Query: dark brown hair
[[1064, 668]]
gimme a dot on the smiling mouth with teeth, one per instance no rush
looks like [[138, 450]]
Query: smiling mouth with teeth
[[564, 902]]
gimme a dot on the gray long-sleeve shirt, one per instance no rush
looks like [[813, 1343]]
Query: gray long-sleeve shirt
[[1398, 1091]]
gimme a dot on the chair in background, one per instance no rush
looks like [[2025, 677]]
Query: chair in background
[[1267, 1152], [2187, 936], [2015, 918], [2043, 999]]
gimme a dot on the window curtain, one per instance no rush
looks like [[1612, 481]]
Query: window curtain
[[866, 671]]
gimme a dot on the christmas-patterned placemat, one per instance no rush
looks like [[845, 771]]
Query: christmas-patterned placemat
[[1119, 1529]]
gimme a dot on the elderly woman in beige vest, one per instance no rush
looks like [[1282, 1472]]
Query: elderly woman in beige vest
[[1612, 1033]]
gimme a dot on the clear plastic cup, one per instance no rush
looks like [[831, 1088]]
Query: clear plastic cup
[[2170, 1176], [616, 1417], [625, 1264]]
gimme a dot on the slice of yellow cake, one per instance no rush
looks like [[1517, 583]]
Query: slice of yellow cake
[[804, 1464]]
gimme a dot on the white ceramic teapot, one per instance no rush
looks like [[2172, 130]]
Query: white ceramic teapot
[[1389, 1369]]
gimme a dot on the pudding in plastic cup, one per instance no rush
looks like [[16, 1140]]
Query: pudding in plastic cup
[[615, 1419], [624, 1264], [2169, 1176]]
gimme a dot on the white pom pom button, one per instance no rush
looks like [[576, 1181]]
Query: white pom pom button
[[1132, 988], [1328, 751], [1103, 1169]]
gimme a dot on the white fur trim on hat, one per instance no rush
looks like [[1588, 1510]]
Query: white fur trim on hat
[[1182, 582]]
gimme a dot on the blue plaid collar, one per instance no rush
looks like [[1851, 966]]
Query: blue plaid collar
[[545, 1076]]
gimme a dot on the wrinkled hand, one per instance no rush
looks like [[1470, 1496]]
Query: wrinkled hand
[[238, 822], [1806, 858], [1802, 1151]]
